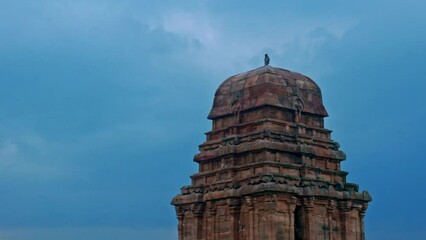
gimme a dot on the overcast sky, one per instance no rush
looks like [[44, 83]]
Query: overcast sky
[[103, 104]]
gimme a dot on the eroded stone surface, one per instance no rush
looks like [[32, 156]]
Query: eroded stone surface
[[269, 169]]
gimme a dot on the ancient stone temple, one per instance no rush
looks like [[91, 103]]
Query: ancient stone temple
[[268, 168]]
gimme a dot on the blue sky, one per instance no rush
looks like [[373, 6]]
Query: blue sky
[[103, 104]]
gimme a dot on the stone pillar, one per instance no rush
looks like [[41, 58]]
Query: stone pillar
[[271, 215], [308, 209], [256, 218], [234, 212], [330, 210], [345, 211], [197, 211], [251, 213], [210, 227], [361, 219], [180, 217]]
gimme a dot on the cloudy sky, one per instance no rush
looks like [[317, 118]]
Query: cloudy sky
[[103, 104]]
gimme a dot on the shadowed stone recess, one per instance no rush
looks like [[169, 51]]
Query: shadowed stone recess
[[268, 168]]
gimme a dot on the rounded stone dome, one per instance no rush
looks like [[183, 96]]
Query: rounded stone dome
[[268, 86]]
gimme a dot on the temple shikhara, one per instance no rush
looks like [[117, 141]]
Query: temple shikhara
[[268, 168]]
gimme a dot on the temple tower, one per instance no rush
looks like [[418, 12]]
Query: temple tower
[[269, 169]]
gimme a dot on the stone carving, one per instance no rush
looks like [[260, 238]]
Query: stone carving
[[223, 163], [298, 106], [236, 108]]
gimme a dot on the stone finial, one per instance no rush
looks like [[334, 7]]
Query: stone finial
[[267, 59]]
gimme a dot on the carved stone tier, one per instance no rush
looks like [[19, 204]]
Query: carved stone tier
[[268, 168]]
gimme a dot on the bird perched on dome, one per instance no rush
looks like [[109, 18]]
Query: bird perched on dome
[[267, 59]]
